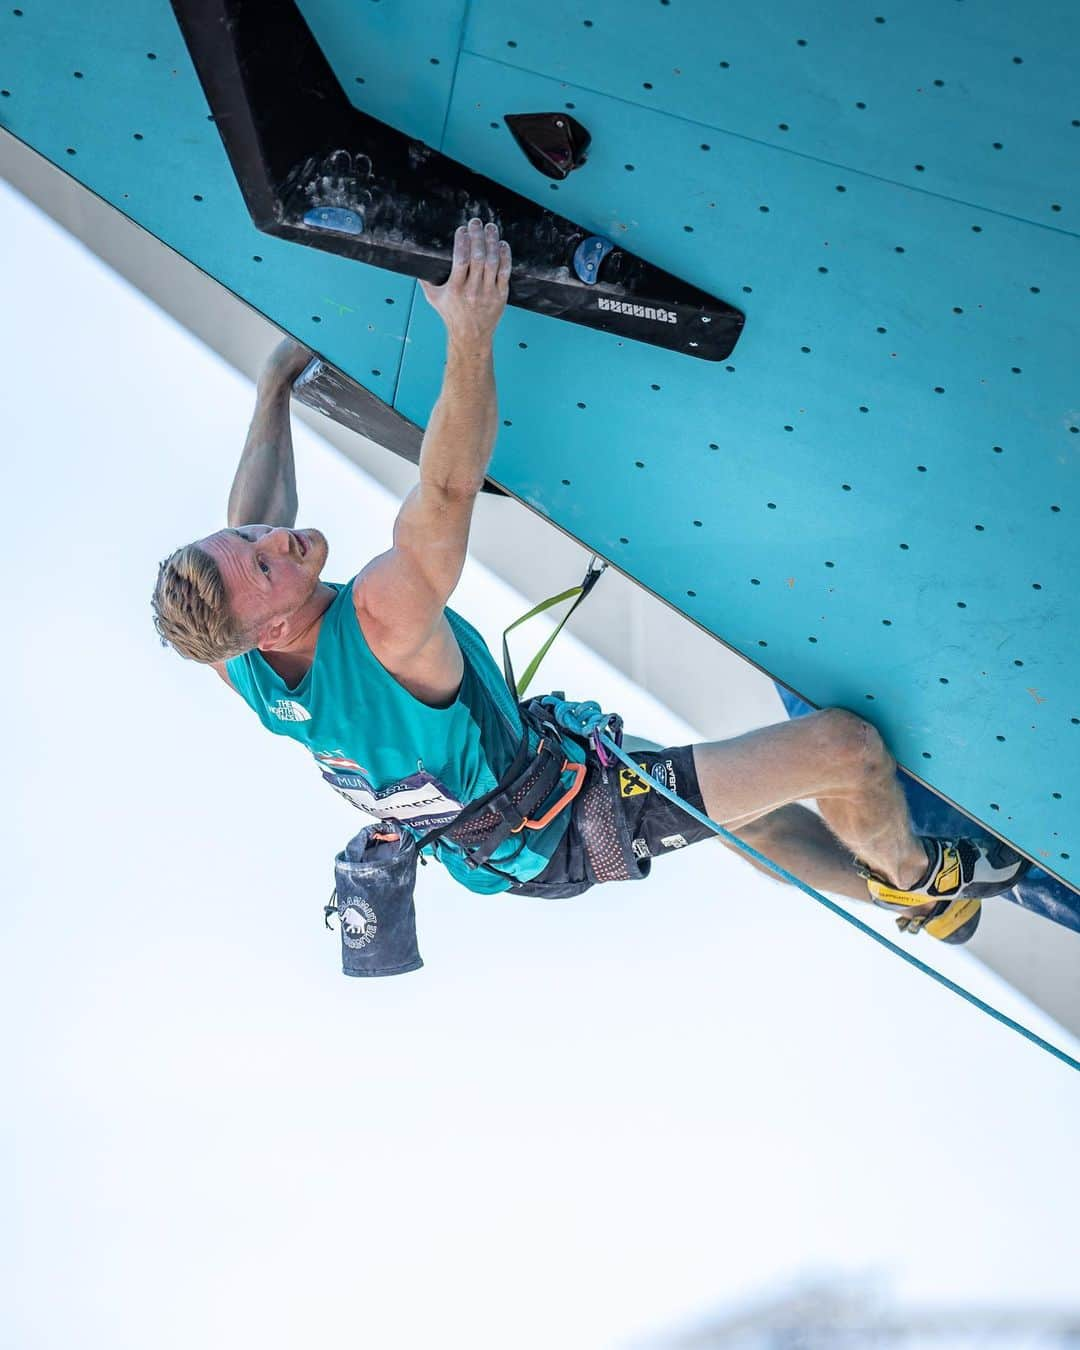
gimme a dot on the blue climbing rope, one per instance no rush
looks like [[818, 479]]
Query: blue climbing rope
[[587, 720]]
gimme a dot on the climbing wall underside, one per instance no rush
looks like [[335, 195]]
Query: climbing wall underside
[[876, 498]]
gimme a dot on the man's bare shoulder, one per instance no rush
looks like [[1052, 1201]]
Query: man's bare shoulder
[[431, 671]]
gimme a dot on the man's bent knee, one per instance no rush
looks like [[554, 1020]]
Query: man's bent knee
[[856, 740]]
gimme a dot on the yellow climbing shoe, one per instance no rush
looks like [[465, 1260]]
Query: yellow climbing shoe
[[960, 874]]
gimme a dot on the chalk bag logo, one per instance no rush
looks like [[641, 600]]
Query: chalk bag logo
[[286, 710], [358, 924]]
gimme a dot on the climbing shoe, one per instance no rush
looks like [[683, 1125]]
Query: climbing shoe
[[960, 874]]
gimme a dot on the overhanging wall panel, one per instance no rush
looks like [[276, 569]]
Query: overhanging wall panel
[[876, 498]]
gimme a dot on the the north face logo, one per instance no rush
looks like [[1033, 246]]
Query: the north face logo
[[285, 710]]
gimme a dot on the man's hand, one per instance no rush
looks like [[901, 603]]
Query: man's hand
[[471, 301], [284, 364]]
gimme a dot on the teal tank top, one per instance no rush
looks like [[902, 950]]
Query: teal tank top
[[396, 757]]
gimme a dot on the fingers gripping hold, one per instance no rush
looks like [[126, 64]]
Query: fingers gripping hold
[[472, 299]]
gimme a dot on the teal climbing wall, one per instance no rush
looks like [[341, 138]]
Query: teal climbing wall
[[877, 499]]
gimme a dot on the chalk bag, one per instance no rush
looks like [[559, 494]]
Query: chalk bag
[[374, 879]]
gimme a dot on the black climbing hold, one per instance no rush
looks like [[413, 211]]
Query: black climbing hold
[[555, 143], [317, 171]]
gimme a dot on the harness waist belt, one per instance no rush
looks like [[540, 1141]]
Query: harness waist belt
[[507, 809]]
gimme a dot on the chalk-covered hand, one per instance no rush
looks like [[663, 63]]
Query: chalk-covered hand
[[472, 299]]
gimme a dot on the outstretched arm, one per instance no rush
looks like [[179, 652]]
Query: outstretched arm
[[264, 489], [400, 595]]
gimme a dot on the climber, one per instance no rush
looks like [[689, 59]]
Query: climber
[[407, 715]]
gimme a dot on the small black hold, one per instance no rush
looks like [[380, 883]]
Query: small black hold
[[553, 143]]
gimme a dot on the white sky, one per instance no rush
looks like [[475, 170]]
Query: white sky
[[581, 1123]]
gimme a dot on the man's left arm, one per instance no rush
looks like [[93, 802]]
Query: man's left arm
[[264, 488]]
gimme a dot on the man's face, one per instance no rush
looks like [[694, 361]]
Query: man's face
[[269, 571]]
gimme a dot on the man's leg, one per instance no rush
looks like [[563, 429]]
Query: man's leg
[[832, 756], [802, 843]]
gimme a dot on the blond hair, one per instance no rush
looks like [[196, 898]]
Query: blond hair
[[191, 610]]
